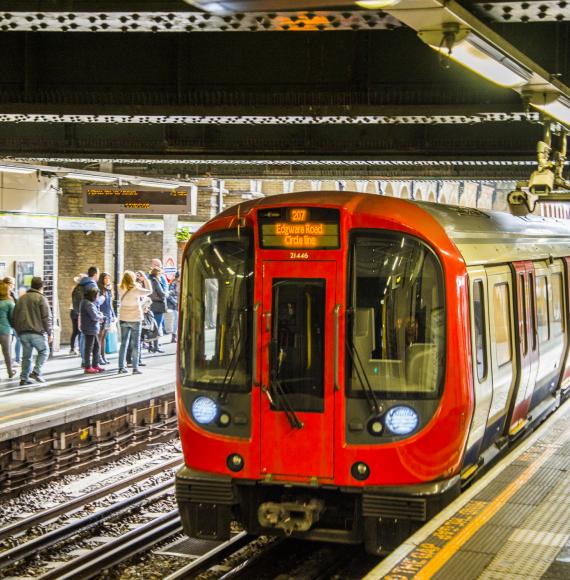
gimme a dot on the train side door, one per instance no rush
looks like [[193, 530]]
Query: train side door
[[503, 356], [526, 343], [481, 357], [297, 396]]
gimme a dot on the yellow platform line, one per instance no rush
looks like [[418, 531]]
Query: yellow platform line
[[450, 549]]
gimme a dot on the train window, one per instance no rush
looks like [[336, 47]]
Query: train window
[[502, 312], [479, 328], [557, 308], [532, 309], [216, 313], [396, 318], [296, 353], [542, 308]]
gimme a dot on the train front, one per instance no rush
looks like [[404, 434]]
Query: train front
[[312, 362]]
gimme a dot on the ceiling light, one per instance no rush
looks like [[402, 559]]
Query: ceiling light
[[91, 177], [158, 184], [475, 53], [555, 105], [17, 169], [377, 4]]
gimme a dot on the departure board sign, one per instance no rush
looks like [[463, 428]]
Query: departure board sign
[[299, 228], [124, 199]]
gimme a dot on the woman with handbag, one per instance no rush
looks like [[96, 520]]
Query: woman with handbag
[[106, 308], [130, 321], [158, 306]]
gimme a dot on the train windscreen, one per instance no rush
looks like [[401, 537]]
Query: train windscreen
[[396, 324], [216, 313]]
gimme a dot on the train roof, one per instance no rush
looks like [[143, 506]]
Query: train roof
[[481, 236]]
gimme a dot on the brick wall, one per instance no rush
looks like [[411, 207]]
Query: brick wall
[[140, 249]]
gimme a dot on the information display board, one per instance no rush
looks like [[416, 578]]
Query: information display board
[[306, 228], [116, 199]]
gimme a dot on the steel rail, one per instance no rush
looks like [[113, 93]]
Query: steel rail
[[124, 547], [32, 547], [27, 523], [212, 557]]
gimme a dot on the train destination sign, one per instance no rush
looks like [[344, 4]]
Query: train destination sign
[[299, 228], [123, 199]]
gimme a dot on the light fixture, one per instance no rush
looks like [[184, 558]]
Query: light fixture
[[204, 410], [402, 420], [158, 184], [17, 169], [473, 52], [91, 177], [376, 4], [554, 105]]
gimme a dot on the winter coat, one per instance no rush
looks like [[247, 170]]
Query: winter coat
[[87, 283], [6, 312], [32, 314], [76, 297], [131, 309], [158, 296], [172, 299], [89, 318]]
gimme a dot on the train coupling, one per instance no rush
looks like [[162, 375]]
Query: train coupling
[[290, 516]]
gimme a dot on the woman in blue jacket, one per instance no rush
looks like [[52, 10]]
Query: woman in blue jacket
[[106, 308]]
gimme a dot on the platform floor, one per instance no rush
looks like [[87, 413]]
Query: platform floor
[[514, 523], [71, 395]]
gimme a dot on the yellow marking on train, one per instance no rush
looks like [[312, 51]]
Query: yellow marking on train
[[469, 472], [517, 427], [449, 550]]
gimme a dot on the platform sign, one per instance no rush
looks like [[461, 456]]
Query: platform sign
[[169, 268], [115, 199]]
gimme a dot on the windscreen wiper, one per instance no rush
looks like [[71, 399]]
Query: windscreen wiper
[[360, 373], [230, 371], [281, 396]]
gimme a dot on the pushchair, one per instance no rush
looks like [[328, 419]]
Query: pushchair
[[149, 332]]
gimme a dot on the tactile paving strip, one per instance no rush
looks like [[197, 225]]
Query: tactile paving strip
[[467, 566]]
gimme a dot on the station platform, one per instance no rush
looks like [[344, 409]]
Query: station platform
[[70, 395], [513, 523]]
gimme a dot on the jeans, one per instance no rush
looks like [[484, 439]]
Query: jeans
[[174, 322], [159, 317], [131, 337], [91, 351], [74, 331], [18, 347], [29, 342], [5, 344]]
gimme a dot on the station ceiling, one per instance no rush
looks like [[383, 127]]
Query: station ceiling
[[332, 90]]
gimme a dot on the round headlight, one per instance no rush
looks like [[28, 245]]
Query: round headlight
[[402, 420], [204, 410]]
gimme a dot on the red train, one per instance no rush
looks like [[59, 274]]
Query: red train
[[348, 362]]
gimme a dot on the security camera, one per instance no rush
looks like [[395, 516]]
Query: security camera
[[541, 182]]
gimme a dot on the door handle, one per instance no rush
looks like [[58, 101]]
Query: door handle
[[336, 343], [254, 339], [267, 316]]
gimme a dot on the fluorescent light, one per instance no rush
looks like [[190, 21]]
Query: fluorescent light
[[476, 54], [158, 184], [376, 4], [555, 105], [91, 177], [17, 169]]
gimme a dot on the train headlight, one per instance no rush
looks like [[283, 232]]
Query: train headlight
[[204, 410], [402, 420]]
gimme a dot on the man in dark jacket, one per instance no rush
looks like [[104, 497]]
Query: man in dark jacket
[[86, 284], [33, 323]]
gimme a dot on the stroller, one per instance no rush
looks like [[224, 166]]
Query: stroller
[[149, 332]]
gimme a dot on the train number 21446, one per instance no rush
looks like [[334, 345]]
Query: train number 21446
[[298, 255]]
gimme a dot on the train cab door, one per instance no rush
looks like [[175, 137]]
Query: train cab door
[[526, 345], [297, 391]]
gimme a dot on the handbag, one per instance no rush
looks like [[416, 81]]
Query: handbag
[[111, 341]]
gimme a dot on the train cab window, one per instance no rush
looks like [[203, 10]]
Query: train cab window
[[479, 329], [502, 311], [396, 318], [542, 312], [216, 313], [296, 352], [557, 304]]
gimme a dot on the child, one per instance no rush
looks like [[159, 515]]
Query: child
[[90, 325], [150, 329]]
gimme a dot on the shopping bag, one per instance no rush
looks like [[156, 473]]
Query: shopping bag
[[111, 342]]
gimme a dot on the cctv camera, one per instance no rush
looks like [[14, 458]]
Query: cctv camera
[[541, 182]]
